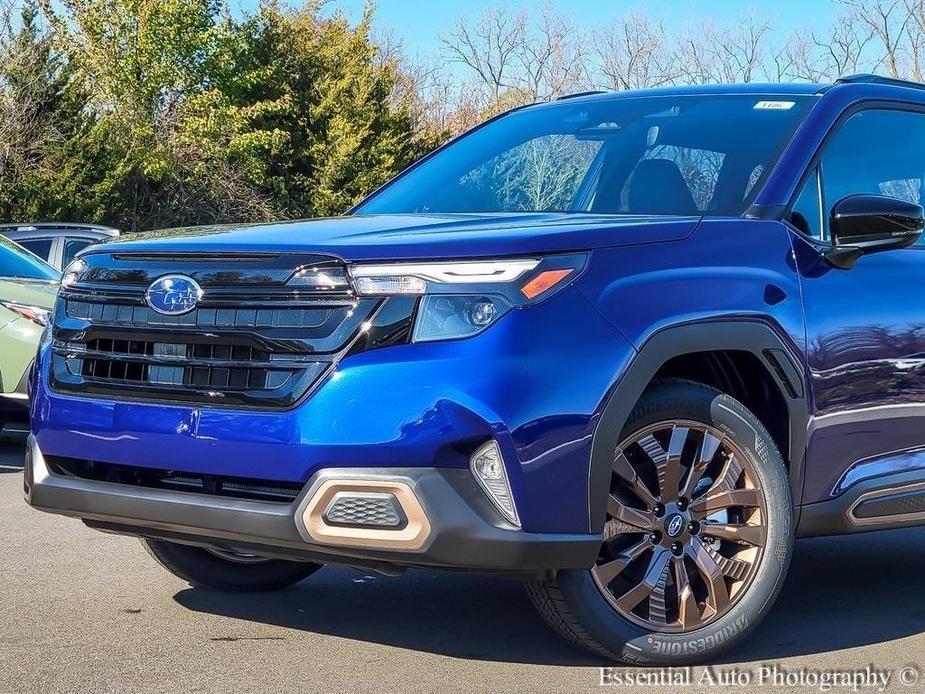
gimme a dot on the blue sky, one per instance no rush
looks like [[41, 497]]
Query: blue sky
[[418, 23]]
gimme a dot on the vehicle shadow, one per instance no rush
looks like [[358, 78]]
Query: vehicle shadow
[[844, 592], [12, 454], [841, 593]]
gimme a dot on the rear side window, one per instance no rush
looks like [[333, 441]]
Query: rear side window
[[41, 247], [15, 262]]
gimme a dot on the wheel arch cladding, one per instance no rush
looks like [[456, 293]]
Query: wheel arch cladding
[[666, 353]]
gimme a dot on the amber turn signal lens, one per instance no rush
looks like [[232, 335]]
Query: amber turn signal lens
[[544, 282]]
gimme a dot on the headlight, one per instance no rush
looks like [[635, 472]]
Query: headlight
[[444, 317], [413, 278], [461, 299], [72, 272], [36, 314]]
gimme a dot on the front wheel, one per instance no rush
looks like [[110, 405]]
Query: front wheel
[[225, 569], [698, 536]]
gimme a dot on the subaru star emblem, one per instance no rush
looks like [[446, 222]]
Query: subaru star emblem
[[173, 295], [675, 525]]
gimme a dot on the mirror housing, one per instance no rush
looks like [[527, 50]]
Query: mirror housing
[[862, 224]]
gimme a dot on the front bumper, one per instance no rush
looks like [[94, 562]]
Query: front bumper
[[464, 532], [535, 382]]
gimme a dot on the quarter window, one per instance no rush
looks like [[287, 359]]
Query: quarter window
[[72, 247], [806, 214]]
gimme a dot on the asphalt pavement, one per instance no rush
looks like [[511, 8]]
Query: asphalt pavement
[[81, 611]]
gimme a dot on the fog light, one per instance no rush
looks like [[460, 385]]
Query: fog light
[[27, 472], [488, 469]]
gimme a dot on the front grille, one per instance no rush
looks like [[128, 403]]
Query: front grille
[[213, 366], [152, 478], [366, 510], [251, 341], [142, 316]]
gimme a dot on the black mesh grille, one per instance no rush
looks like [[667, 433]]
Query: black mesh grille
[[153, 478]]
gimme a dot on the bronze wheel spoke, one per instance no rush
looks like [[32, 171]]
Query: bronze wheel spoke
[[643, 520], [635, 595], [612, 528], [708, 447], [750, 498], [734, 568], [669, 475], [713, 575], [688, 609], [625, 471], [608, 571], [667, 463], [736, 532], [727, 479], [658, 609]]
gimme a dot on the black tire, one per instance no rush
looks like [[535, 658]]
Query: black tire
[[574, 605], [202, 568]]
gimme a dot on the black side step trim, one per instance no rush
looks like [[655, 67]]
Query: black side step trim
[[881, 503], [903, 503]]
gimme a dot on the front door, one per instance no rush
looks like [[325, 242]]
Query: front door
[[865, 326]]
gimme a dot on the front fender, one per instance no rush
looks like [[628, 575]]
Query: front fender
[[775, 352]]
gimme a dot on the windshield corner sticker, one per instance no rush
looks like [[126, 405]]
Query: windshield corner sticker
[[774, 105]]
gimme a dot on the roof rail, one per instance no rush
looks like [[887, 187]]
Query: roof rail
[[577, 94], [867, 78]]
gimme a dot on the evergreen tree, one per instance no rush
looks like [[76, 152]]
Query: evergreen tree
[[155, 113]]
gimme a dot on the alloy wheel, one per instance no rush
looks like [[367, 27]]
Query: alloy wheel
[[686, 527]]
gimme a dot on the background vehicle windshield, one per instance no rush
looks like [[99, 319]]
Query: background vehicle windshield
[[680, 155], [18, 262]]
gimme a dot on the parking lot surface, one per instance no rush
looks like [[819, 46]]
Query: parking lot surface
[[81, 611]]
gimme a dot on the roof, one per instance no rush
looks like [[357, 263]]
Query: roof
[[37, 226], [783, 89], [859, 81]]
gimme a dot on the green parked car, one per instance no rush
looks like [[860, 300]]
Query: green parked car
[[28, 287]]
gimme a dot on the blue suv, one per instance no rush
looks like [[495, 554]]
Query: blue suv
[[623, 346]]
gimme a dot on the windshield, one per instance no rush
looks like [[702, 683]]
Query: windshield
[[16, 261], [681, 155]]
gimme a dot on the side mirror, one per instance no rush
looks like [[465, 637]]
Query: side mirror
[[862, 224]]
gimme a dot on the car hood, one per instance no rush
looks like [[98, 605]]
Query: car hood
[[40, 293], [383, 237]]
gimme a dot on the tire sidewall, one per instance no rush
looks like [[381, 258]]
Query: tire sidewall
[[631, 642], [199, 567]]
